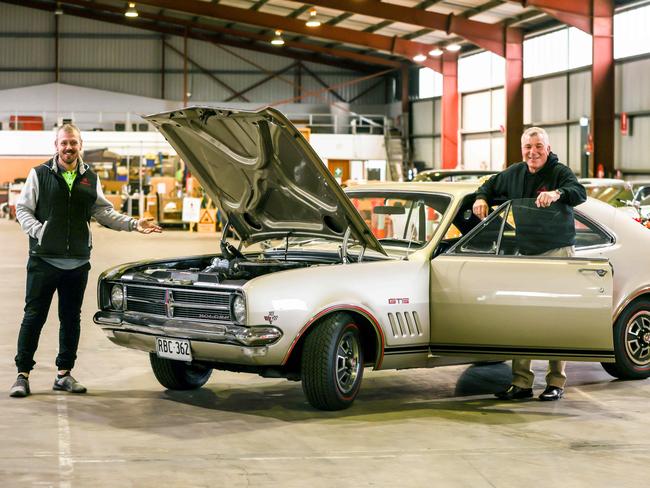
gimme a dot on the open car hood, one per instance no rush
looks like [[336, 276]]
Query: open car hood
[[262, 174]]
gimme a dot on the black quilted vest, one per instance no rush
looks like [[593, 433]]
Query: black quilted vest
[[64, 213]]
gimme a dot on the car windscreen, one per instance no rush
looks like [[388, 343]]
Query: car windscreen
[[401, 218]]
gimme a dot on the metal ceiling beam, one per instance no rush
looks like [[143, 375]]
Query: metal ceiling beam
[[179, 30], [487, 36], [194, 26], [394, 45], [577, 13]]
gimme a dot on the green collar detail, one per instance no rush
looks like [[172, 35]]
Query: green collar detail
[[69, 177]]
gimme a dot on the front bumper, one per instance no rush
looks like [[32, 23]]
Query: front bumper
[[227, 343]]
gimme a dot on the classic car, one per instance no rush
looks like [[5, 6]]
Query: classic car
[[452, 174], [609, 190], [313, 284]]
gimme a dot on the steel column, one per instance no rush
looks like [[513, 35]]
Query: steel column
[[602, 86], [449, 125], [162, 67], [595, 17], [185, 81], [57, 71], [514, 91], [449, 111]]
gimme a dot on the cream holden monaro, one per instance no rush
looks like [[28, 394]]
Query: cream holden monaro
[[398, 275]]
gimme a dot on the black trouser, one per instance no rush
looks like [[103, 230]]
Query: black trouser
[[43, 280]]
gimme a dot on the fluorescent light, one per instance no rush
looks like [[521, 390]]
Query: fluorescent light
[[131, 11], [418, 58], [312, 21], [277, 40], [453, 47], [435, 52]]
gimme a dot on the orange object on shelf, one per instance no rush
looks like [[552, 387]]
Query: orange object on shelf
[[26, 122]]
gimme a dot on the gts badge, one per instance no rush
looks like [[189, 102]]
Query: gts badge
[[397, 301], [271, 317]]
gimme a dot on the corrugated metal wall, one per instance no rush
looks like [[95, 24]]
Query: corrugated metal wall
[[120, 58], [557, 103]]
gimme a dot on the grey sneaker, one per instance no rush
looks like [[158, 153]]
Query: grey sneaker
[[68, 383], [20, 388]]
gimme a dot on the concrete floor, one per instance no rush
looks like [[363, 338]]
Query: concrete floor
[[433, 428]]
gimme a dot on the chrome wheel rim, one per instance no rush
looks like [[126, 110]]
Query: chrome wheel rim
[[637, 338], [348, 362]]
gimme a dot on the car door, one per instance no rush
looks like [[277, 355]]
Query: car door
[[491, 294]]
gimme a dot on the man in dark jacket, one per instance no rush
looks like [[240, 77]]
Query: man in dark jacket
[[54, 210], [540, 176]]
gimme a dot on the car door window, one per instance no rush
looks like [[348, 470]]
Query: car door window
[[485, 239], [589, 234], [519, 227]]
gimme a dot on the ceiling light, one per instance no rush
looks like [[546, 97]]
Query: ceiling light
[[435, 52], [277, 40], [312, 21], [131, 11], [453, 48], [418, 58], [59, 10]]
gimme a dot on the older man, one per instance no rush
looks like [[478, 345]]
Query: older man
[[540, 176], [54, 210]]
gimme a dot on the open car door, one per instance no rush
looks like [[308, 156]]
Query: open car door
[[492, 294]]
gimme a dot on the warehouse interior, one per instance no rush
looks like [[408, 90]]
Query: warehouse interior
[[381, 90]]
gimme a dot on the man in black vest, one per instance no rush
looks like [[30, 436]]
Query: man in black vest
[[540, 176], [54, 210]]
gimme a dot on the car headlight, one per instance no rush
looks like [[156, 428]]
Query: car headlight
[[239, 309], [117, 297]]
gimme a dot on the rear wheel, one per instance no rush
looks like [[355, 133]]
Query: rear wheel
[[176, 375], [332, 363], [632, 343]]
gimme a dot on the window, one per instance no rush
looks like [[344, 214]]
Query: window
[[401, 219], [430, 83], [631, 33], [589, 234], [519, 227], [546, 54], [479, 71]]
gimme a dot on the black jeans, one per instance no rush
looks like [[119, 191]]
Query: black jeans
[[43, 280]]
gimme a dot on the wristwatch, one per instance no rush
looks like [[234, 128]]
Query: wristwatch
[[559, 193]]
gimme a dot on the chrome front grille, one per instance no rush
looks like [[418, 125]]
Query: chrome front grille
[[195, 305]]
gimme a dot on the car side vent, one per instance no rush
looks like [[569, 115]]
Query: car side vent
[[393, 328], [405, 324]]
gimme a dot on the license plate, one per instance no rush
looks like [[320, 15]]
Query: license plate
[[178, 349]]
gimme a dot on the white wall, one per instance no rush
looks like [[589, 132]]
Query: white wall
[[41, 143]]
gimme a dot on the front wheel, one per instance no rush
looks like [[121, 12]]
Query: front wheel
[[632, 343], [332, 363], [176, 375]]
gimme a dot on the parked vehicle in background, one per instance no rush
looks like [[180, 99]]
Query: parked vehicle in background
[[323, 284], [609, 190], [452, 175]]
